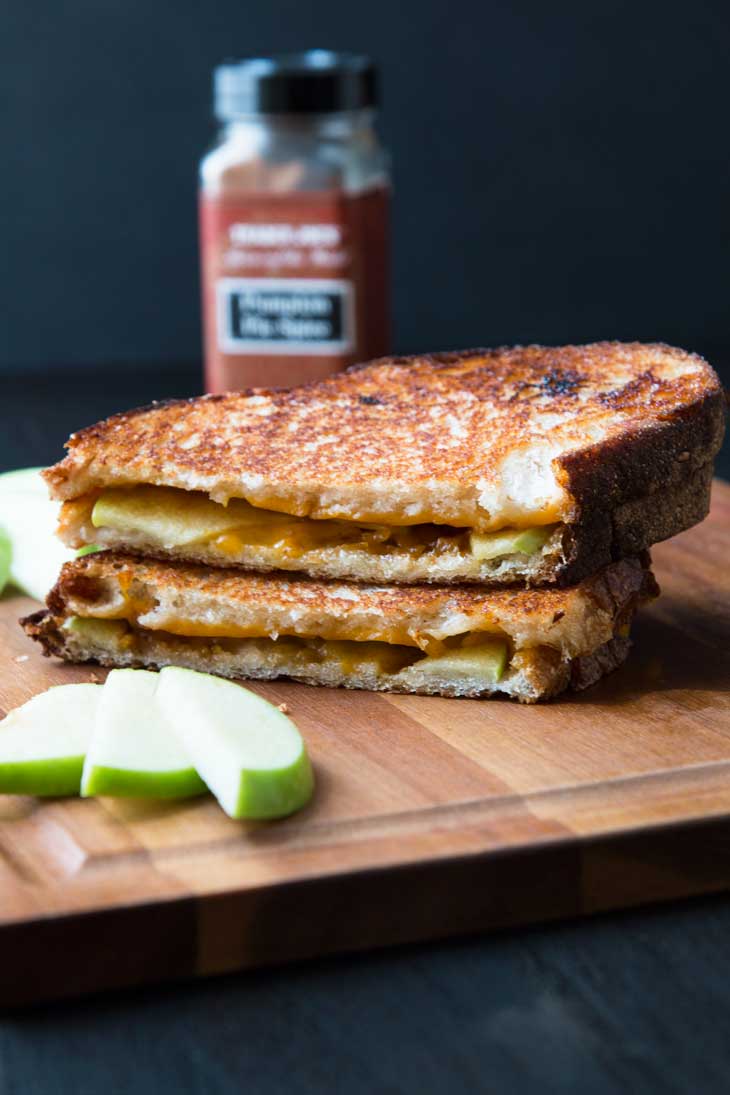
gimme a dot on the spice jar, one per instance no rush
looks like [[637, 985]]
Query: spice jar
[[294, 227]]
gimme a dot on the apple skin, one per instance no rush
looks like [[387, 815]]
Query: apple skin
[[88, 549], [6, 552], [264, 795], [43, 778], [128, 783]]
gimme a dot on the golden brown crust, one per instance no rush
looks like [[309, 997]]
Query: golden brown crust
[[629, 527], [572, 622], [588, 669], [260, 592], [575, 553], [542, 679], [428, 438], [563, 639]]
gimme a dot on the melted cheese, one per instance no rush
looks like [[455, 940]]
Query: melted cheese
[[131, 604], [485, 658], [176, 519], [142, 614]]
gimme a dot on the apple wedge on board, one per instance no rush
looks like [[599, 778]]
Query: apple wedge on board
[[147, 735], [132, 753], [249, 753], [44, 742]]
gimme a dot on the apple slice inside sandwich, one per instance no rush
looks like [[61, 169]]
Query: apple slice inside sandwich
[[487, 661], [494, 545]]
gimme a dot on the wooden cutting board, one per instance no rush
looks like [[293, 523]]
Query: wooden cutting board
[[432, 817]]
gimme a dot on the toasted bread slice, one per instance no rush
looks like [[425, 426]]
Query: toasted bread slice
[[609, 445], [454, 641]]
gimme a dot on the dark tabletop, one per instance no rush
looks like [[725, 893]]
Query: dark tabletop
[[636, 1002]]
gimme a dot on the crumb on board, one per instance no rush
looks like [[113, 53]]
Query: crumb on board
[[283, 708]]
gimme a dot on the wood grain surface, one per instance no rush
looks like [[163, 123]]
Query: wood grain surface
[[432, 817]]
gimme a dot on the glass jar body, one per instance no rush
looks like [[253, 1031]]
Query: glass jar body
[[294, 249]]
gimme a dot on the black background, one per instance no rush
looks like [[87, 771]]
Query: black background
[[561, 169]]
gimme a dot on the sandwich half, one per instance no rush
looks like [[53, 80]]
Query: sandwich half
[[452, 641], [526, 465]]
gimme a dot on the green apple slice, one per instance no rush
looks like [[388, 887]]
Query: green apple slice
[[27, 480], [170, 517], [249, 753], [132, 752], [29, 518], [88, 549], [5, 556], [487, 661], [101, 632], [513, 541], [37, 556], [43, 743]]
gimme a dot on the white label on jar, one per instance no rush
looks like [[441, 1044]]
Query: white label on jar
[[287, 315]]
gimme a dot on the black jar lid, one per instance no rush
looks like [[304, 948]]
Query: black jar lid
[[317, 81]]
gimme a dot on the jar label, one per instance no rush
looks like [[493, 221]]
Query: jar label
[[285, 315], [295, 285]]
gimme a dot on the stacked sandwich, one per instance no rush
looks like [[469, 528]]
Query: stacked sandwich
[[462, 524]]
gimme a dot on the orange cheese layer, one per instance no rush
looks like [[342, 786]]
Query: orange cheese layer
[[176, 519], [470, 654], [140, 611], [331, 630]]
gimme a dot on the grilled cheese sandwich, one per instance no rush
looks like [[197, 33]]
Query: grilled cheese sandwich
[[533, 464], [454, 641]]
